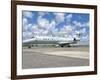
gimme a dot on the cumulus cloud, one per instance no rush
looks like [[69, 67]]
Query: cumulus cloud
[[67, 29], [35, 29], [85, 38], [86, 24], [82, 31], [52, 30], [25, 21], [42, 13], [68, 18], [27, 27], [45, 27], [76, 23], [27, 35], [79, 24], [28, 14], [59, 17], [43, 23], [52, 26]]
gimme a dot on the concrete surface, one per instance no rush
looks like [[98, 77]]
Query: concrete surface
[[45, 57]]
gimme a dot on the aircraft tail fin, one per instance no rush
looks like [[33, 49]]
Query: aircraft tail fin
[[77, 37]]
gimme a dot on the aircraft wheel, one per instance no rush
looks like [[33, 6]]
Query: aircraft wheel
[[29, 46], [62, 46], [69, 46]]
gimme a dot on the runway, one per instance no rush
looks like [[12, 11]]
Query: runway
[[46, 57]]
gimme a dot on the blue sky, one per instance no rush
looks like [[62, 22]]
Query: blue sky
[[62, 24]]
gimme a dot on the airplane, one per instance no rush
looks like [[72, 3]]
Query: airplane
[[61, 41]]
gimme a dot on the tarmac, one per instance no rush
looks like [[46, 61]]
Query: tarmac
[[46, 57]]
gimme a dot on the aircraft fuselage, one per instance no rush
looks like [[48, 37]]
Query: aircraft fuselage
[[51, 40]]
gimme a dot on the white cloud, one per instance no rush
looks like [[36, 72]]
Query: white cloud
[[67, 29], [83, 31], [68, 18], [42, 13], [42, 22], [28, 14], [51, 28], [45, 27], [59, 17], [85, 38], [25, 21], [79, 24], [52, 25], [27, 27], [34, 28], [45, 32], [86, 24], [76, 23], [77, 32], [27, 35], [42, 29]]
